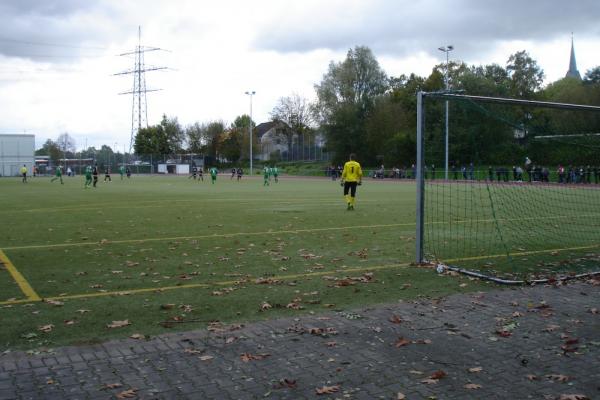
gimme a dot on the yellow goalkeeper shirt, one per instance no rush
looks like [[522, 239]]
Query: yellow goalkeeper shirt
[[352, 172]]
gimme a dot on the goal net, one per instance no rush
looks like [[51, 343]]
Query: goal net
[[512, 191]]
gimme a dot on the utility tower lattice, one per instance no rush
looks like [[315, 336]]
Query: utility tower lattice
[[139, 107]]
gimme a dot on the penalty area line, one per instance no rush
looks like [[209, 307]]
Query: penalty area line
[[19, 279], [210, 284]]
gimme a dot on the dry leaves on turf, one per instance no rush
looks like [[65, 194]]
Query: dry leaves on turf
[[137, 336], [55, 303], [328, 389], [118, 324], [46, 328]]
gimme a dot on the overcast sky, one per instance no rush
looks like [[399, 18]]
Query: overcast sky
[[58, 57]]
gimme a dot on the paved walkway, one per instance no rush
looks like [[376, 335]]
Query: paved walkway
[[526, 343]]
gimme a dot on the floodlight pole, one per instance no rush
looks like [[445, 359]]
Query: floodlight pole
[[250, 93], [446, 49]]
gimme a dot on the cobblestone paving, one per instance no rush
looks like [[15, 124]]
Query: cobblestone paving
[[525, 343]]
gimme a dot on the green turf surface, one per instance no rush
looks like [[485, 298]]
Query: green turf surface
[[156, 249]]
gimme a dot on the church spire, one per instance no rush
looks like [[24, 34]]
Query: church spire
[[573, 72]]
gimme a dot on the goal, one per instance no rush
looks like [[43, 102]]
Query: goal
[[515, 196]]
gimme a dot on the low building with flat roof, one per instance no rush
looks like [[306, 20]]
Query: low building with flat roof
[[16, 151]]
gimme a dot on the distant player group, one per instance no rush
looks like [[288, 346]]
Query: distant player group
[[351, 176]]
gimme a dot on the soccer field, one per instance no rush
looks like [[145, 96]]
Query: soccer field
[[158, 249]]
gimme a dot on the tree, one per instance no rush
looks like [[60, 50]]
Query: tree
[[193, 134], [165, 138], [346, 96], [211, 136], [297, 113], [231, 145], [592, 76], [66, 143], [526, 77], [241, 125], [294, 110], [51, 149], [175, 135], [151, 141]]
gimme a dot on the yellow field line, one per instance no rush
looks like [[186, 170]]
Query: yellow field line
[[19, 279], [522, 253], [206, 285], [215, 235]]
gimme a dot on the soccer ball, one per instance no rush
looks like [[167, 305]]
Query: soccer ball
[[440, 268]]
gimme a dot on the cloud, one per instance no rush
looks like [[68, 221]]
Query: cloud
[[401, 28], [56, 31]]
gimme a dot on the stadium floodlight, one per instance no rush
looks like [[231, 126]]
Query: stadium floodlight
[[250, 93], [446, 49]]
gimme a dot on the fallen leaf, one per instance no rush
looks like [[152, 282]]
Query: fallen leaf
[[558, 378], [265, 306], [517, 314], [285, 382], [55, 303], [118, 324], [167, 306], [246, 357], [112, 386], [551, 328], [573, 397], [46, 328], [193, 351], [205, 358], [438, 375], [594, 310], [415, 372], [503, 333], [328, 389], [82, 311], [532, 377], [69, 322], [127, 394], [471, 386], [400, 396], [475, 369], [394, 319], [401, 342], [137, 336], [429, 381]]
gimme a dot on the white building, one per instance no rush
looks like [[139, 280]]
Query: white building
[[16, 151]]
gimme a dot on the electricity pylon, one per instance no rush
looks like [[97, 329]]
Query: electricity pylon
[[139, 107]]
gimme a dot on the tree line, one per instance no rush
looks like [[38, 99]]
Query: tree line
[[360, 109]]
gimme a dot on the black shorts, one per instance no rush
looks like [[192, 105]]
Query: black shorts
[[350, 186]]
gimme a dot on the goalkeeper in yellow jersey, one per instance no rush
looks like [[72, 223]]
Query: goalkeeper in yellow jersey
[[351, 177]]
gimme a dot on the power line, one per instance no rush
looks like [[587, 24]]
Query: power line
[[70, 46]]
